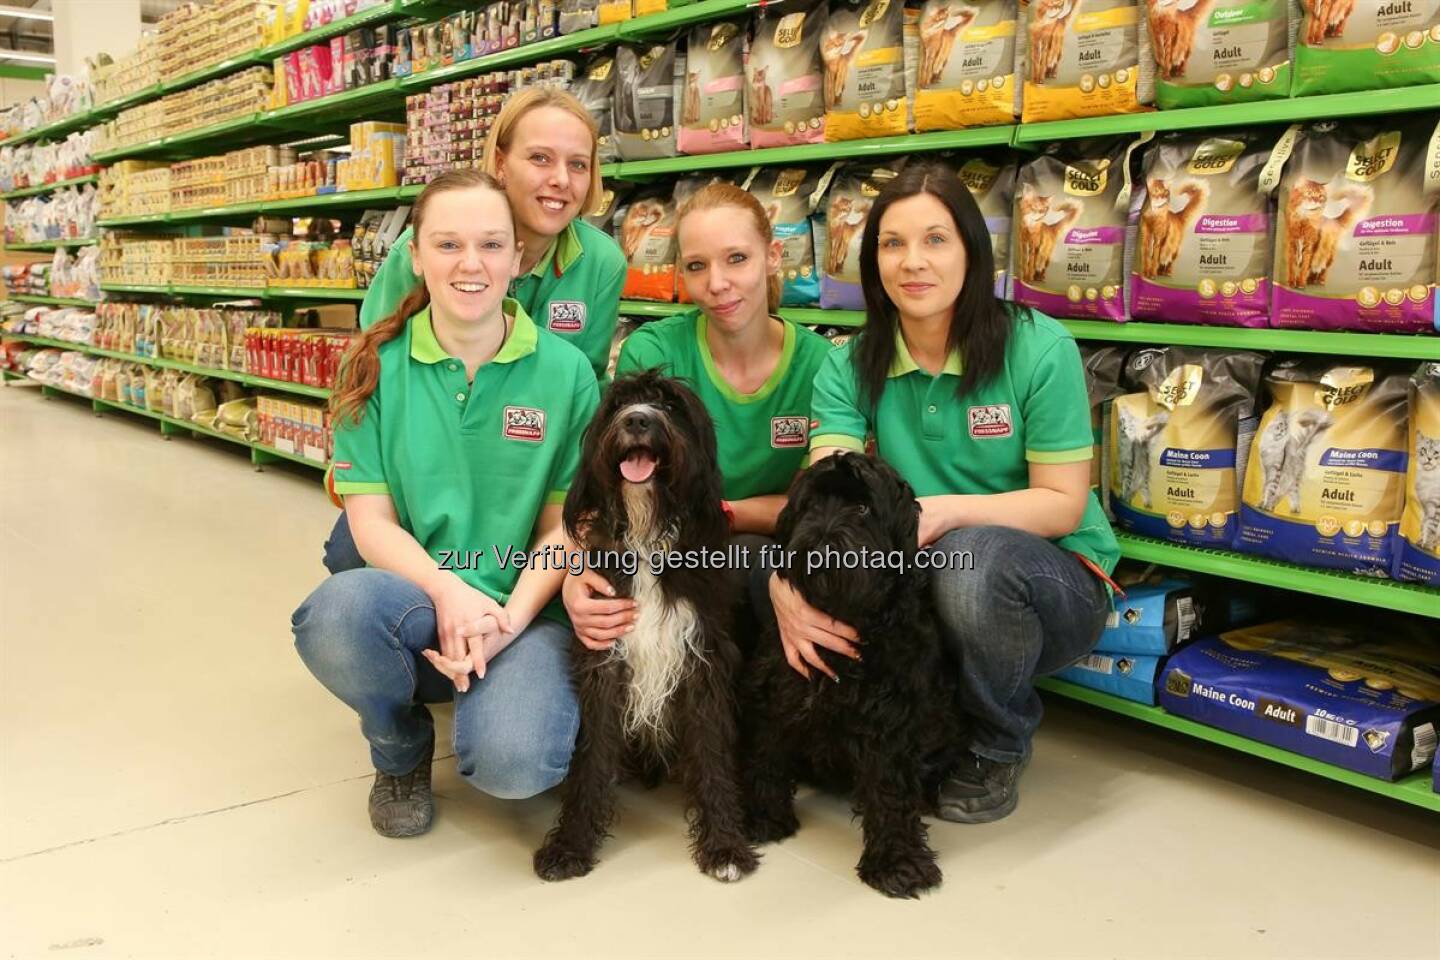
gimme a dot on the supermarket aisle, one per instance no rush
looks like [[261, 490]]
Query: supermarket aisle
[[172, 783]]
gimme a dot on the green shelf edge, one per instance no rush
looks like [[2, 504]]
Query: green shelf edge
[[50, 187], [50, 245], [566, 43], [133, 288], [200, 290], [119, 105], [50, 301], [683, 15], [1414, 789], [318, 293], [241, 293], [58, 128], [195, 78], [374, 91]]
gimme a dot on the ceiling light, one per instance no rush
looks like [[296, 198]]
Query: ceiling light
[[26, 13]]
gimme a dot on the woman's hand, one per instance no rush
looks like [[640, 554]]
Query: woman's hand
[[936, 519], [597, 621], [466, 620], [803, 628]]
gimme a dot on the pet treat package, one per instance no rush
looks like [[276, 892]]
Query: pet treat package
[[852, 193], [791, 196], [1083, 60], [647, 82], [1349, 695], [1417, 549], [1104, 370], [991, 181], [786, 76], [647, 238], [1070, 229], [965, 70], [1355, 243], [1366, 45], [595, 88], [1127, 675], [863, 52], [1325, 484], [1221, 51], [1176, 449], [712, 104], [1203, 252]]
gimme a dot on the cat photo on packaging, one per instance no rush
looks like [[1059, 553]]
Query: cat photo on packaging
[[1209, 52], [790, 197], [837, 241], [965, 70], [1346, 45], [712, 108], [862, 48], [786, 76], [1417, 549], [1083, 58]]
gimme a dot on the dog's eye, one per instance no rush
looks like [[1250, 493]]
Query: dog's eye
[[864, 509]]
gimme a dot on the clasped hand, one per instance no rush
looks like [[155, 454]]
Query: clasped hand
[[471, 628]]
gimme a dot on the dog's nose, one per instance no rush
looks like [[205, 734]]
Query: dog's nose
[[637, 421]]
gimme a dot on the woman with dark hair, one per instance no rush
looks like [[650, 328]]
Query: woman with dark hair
[[981, 406]]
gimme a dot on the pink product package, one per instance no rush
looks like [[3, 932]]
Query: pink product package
[[336, 82], [293, 88], [712, 104]]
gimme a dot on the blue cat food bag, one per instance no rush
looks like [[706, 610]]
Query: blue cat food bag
[[790, 196]]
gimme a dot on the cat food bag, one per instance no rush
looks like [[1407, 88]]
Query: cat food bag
[[1203, 252], [577, 15], [712, 103], [1355, 243], [1220, 51], [852, 193], [613, 202], [1417, 549], [791, 196], [1325, 484], [647, 238], [991, 181], [646, 87], [864, 82], [965, 70], [1083, 59], [1104, 371], [786, 75], [1177, 446], [1366, 45], [1071, 217], [595, 88]]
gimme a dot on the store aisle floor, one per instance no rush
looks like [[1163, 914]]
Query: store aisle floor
[[173, 783]]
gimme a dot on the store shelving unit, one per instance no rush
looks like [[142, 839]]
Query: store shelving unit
[[50, 187], [319, 294], [50, 301]]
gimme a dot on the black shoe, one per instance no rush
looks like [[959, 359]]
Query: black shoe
[[980, 790], [402, 806]]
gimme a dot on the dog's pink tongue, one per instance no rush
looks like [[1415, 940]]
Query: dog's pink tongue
[[637, 467]]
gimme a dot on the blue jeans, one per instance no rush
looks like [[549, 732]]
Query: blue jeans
[[341, 554], [361, 632], [1026, 609]]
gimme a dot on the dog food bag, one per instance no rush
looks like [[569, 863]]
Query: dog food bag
[[1347, 694], [791, 196], [1203, 254], [1104, 370], [965, 71], [991, 181], [647, 238], [1220, 51], [647, 85], [595, 88], [712, 104], [1083, 59], [1130, 676], [1366, 45], [862, 48], [1325, 484], [1417, 550], [1176, 448], [785, 75], [1071, 216], [852, 193], [1355, 243]]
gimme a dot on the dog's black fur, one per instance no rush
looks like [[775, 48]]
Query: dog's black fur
[[889, 729], [698, 728]]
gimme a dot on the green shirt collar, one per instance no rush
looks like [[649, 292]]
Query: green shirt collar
[[424, 348], [903, 363], [562, 253], [782, 367]]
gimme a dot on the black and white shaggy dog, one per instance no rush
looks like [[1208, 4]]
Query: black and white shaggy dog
[[649, 485], [889, 728]]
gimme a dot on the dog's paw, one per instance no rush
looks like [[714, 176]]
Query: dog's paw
[[728, 864], [903, 875], [554, 862], [771, 827]]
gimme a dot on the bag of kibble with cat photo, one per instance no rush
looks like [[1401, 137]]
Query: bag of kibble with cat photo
[[1104, 371], [1417, 549], [965, 70], [786, 76], [1209, 52], [595, 88], [1175, 448], [712, 102], [1203, 250], [837, 234], [1089, 59], [647, 238], [1355, 239], [1346, 45], [991, 181], [1325, 481], [648, 80], [863, 50], [791, 196]]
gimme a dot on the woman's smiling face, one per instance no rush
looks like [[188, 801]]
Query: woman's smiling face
[[726, 265], [921, 257], [466, 253], [546, 169]]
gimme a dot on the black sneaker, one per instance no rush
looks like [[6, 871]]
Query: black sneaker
[[402, 806], [980, 790]]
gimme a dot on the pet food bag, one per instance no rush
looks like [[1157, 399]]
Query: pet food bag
[[1417, 549], [786, 76], [852, 193], [965, 71], [595, 88], [1366, 45], [1083, 59], [712, 104], [577, 15], [647, 238], [1209, 52], [791, 196], [1325, 484], [1130, 676], [863, 51], [1176, 449], [1104, 368], [1203, 252], [1160, 612], [613, 202], [1355, 243], [991, 181], [647, 85], [1071, 217], [1350, 695]]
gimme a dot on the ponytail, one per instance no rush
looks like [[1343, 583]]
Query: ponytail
[[360, 367]]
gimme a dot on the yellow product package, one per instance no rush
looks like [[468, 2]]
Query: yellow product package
[[1087, 59], [864, 84], [965, 75]]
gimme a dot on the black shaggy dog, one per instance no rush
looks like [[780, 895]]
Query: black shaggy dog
[[649, 485], [889, 728]]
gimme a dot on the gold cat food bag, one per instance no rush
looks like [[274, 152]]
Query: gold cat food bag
[[1082, 58], [1104, 370], [786, 76], [1220, 51], [965, 72], [646, 81], [862, 48], [712, 101], [791, 196], [1203, 250], [595, 88], [837, 237], [1366, 45], [991, 181], [647, 238], [1417, 549], [1176, 447], [1326, 478], [1355, 242]]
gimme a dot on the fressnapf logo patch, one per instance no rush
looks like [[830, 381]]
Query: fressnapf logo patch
[[789, 431], [524, 423], [567, 316], [991, 421]]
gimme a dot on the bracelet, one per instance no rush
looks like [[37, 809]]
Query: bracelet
[[729, 512]]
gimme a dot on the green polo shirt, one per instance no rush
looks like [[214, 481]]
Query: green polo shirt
[[470, 465], [574, 290], [762, 436], [1035, 410]]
